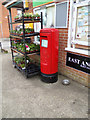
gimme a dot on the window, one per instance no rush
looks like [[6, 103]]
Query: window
[[37, 26], [19, 11], [61, 15], [82, 24], [79, 27], [55, 15], [48, 18]]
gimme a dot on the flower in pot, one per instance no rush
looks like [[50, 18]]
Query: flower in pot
[[37, 16], [17, 17], [31, 48], [32, 30], [33, 17], [22, 49], [37, 47], [20, 32], [25, 15], [11, 31], [26, 31], [30, 16], [27, 48], [17, 32], [22, 66], [14, 32], [20, 16]]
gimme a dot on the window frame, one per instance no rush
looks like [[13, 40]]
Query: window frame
[[77, 5], [69, 42], [38, 8]]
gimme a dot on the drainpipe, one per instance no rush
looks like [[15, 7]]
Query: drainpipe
[[1, 30], [10, 16]]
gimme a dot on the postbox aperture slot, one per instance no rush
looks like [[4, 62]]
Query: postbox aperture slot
[[44, 36], [44, 43]]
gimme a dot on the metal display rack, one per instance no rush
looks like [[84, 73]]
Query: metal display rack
[[32, 68]]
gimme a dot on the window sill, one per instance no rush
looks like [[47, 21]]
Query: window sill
[[85, 43], [85, 52]]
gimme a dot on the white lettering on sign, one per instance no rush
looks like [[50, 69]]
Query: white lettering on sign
[[74, 60], [83, 64]]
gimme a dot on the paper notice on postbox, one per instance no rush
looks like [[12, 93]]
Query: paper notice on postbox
[[44, 43]]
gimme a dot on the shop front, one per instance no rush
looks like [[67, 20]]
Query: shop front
[[78, 48], [71, 18]]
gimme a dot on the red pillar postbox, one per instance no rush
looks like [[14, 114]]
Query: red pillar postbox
[[49, 43]]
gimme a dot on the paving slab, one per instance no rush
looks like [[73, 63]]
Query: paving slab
[[32, 98]]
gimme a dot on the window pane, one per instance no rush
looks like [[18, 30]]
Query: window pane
[[81, 0], [61, 15], [50, 16], [82, 24]]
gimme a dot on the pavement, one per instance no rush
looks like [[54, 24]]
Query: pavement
[[32, 98], [5, 44]]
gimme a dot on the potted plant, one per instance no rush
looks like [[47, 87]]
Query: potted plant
[[27, 48], [25, 15], [26, 31], [20, 32], [37, 16], [17, 17], [14, 32], [10, 31], [37, 48], [30, 16], [17, 32], [20, 16], [34, 16], [32, 30], [23, 66]]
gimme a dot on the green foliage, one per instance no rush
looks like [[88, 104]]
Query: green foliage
[[21, 61], [27, 15], [37, 15]]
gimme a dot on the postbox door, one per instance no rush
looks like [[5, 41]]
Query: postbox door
[[45, 52]]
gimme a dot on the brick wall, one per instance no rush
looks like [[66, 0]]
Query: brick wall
[[0, 19], [72, 73], [3, 18], [5, 22]]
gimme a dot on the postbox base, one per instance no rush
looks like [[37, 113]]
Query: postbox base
[[49, 78]]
